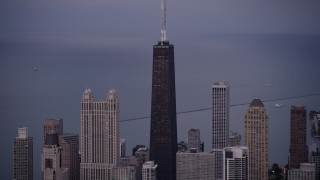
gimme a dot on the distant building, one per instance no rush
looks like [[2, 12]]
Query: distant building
[[220, 124], [256, 139], [298, 140], [235, 164], [192, 165], [51, 168], [124, 173], [194, 139], [23, 155], [52, 125], [134, 149], [122, 147], [70, 154], [99, 136], [149, 171], [306, 172], [234, 139]]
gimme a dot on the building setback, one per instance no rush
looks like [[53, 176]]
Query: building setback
[[220, 124], [163, 131], [23, 155], [99, 136], [256, 139], [298, 141], [235, 163]]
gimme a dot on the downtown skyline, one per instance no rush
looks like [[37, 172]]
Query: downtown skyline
[[186, 80]]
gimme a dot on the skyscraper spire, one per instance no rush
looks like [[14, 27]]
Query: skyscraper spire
[[164, 21]]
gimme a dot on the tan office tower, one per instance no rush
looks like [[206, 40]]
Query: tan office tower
[[256, 139], [70, 154], [23, 155], [52, 125], [99, 136]]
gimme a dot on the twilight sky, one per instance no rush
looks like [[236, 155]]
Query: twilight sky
[[105, 44]]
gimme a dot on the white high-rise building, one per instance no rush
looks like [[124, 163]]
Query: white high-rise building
[[192, 165], [23, 155], [220, 124], [235, 164], [149, 171], [99, 136]]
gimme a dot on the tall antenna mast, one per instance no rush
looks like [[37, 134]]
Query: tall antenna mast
[[164, 21]]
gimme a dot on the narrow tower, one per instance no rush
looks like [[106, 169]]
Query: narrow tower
[[220, 124], [163, 131], [256, 139]]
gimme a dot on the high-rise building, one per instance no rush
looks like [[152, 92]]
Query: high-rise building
[[220, 123], [149, 171], [23, 155], [122, 147], [256, 139], [298, 140], [51, 168], [305, 172], [193, 165], [52, 125], [235, 164], [194, 139], [99, 136], [163, 131], [70, 152]]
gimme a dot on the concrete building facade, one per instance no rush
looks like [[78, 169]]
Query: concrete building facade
[[220, 123], [235, 163]]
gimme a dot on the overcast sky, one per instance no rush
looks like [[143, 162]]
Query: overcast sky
[[43, 20]]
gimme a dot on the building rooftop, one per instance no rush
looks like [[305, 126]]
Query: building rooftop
[[256, 103]]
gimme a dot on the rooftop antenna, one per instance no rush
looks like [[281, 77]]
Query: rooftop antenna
[[164, 21]]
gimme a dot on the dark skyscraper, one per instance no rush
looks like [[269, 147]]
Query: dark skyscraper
[[298, 139], [163, 132]]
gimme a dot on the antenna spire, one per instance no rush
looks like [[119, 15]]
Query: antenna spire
[[164, 21]]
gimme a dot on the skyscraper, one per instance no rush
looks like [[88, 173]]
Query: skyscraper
[[235, 164], [256, 139], [220, 123], [298, 140], [70, 152], [52, 125], [99, 136], [23, 156], [163, 131]]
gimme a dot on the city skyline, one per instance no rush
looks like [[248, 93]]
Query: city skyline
[[203, 58]]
